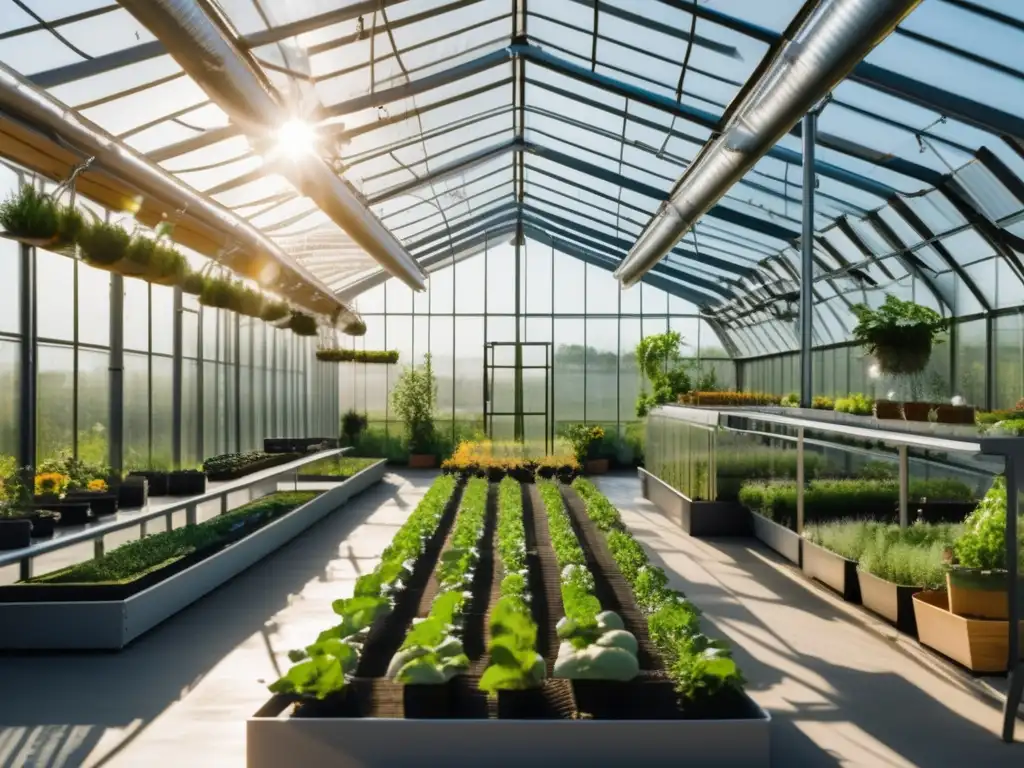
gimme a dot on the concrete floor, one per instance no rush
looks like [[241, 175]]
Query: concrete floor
[[839, 694]]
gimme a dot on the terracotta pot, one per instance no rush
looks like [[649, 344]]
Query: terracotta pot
[[596, 466], [422, 461]]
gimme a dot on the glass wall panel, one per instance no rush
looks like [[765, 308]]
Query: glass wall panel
[[55, 410], [93, 405], [136, 411], [10, 286], [10, 386], [56, 312], [970, 375], [163, 414]]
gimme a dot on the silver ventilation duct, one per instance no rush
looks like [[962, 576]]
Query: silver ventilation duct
[[833, 39], [27, 104], [201, 40]]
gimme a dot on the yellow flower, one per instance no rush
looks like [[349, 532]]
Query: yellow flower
[[51, 482], [97, 485]]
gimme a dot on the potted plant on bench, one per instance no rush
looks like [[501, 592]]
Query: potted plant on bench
[[413, 399], [977, 579], [586, 442], [87, 483], [20, 521]]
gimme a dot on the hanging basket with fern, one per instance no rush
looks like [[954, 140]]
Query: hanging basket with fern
[[193, 282], [219, 292], [899, 334], [104, 245]]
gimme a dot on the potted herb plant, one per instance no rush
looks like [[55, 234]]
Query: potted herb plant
[[977, 578], [585, 444], [352, 425], [413, 399]]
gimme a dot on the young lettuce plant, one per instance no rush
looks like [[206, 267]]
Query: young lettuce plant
[[595, 644], [323, 668], [432, 653], [698, 665]]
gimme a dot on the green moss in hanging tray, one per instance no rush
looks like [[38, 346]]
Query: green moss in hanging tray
[[899, 334], [104, 245], [274, 311], [138, 259], [355, 328], [387, 356], [168, 266], [250, 302], [193, 282], [30, 216], [302, 324], [70, 224], [218, 292]]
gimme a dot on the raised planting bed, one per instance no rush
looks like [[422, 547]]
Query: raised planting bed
[[981, 645], [832, 570], [231, 466], [696, 517], [542, 585], [112, 600], [157, 481], [893, 602], [777, 537], [101, 503], [333, 469], [186, 482]]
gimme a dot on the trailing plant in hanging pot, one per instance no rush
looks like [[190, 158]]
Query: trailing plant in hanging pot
[[302, 324], [355, 328], [899, 334], [250, 302], [167, 267], [139, 257], [413, 399], [219, 292], [193, 282], [104, 245]]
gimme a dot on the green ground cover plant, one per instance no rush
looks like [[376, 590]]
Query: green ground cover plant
[[577, 583], [137, 558], [337, 466], [698, 665]]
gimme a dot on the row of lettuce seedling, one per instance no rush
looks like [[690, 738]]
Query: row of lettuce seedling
[[432, 652], [322, 668], [698, 666]]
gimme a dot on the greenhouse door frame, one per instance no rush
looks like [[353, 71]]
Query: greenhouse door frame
[[518, 413]]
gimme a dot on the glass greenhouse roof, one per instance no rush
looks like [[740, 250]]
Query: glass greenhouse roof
[[461, 121]]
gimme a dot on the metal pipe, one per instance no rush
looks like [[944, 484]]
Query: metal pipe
[[35, 108], [115, 427], [904, 510], [807, 262], [201, 40], [833, 39], [28, 392]]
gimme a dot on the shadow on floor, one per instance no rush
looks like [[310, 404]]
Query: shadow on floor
[[870, 708], [60, 705]]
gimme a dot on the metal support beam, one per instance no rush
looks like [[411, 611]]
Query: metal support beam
[[904, 481], [27, 405], [177, 349], [115, 428], [807, 262], [800, 481], [1014, 666]]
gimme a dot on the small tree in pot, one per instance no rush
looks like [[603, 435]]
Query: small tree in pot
[[352, 425], [413, 400], [585, 444]]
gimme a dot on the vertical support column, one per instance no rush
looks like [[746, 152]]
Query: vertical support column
[[810, 127], [177, 349], [904, 486], [1014, 665], [237, 383], [29, 363], [991, 354], [200, 385], [115, 432], [800, 481]]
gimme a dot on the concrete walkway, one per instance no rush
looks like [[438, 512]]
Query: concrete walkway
[[839, 693], [180, 695]]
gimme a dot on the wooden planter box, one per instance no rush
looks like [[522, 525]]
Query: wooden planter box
[[697, 518], [887, 409], [422, 461], [981, 595], [110, 624], [777, 537], [596, 466], [833, 571], [981, 645], [275, 740], [893, 602]]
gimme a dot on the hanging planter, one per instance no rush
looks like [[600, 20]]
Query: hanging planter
[[383, 356], [274, 311], [168, 267], [104, 245], [37, 219], [219, 292], [249, 302], [193, 283], [899, 334], [302, 324], [355, 328]]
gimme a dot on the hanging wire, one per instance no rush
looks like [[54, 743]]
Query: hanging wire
[[682, 77]]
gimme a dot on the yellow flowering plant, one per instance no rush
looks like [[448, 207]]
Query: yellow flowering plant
[[51, 483], [98, 484]]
